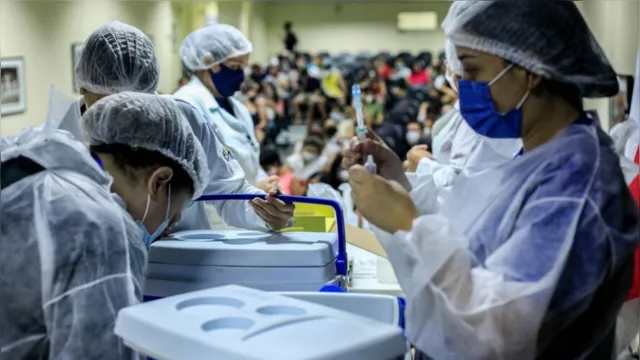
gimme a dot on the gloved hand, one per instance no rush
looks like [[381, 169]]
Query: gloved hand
[[275, 213], [388, 163]]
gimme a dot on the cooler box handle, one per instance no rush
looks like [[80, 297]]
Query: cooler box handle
[[341, 261]]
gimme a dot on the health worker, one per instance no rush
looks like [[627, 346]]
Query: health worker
[[118, 57], [455, 148], [82, 219], [216, 56], [534, 258]]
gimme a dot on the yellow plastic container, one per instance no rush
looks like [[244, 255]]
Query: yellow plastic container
[[313, 218]]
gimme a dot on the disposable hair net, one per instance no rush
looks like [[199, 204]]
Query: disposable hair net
[[452, 58], [117, 57], [212, 45], [150, 122], [550, 39]]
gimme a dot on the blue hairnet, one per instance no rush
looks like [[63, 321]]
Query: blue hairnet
[[548, 38]]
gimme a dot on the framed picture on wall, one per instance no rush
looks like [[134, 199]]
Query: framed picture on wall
[[76, 50], [620, 104], [13, 94]]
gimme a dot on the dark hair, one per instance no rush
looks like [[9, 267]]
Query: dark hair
[[314, 141], [568, 92], [130, 159], [269, 156], [288, 25]]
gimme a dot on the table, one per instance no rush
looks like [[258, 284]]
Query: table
[[364, 274]]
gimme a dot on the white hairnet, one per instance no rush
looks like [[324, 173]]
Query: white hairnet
[[117, 57], [151, 122], [212, 45], [452, 58], [550, 39]]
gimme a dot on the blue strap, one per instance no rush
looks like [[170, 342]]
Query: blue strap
[[341, 260], [97, 159]]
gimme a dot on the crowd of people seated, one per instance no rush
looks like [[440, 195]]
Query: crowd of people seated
[[403, 95]]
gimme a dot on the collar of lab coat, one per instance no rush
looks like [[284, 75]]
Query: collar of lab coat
[[209, 100], [205, 95]]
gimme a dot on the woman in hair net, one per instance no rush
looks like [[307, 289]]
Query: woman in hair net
[[118, 57], [455, 148], [82, 218], [531, 259], [217, 56]]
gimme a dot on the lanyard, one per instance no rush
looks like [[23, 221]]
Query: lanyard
[[97, 159]]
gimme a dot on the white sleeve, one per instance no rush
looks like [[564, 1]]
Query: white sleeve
[[460, 308], [428, 183]]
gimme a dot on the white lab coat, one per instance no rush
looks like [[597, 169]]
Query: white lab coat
[[481, 276], [457, 147], [227, 177], [237, 131]]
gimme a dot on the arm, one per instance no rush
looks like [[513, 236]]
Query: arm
[[493, 309]]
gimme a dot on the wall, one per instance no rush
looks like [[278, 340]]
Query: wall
[[353, 27], [42, 32], [616, 27]]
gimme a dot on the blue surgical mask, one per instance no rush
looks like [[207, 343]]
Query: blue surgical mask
[[148, 238], [478, 109], [227, 81]]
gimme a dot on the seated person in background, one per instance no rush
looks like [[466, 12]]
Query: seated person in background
[[373, 109], [310, 96], [419, 75], [334, 173], [400, 70], [83, 218], [333, 144], [270, 161], [337, 112], [333, 84], [301, 166]]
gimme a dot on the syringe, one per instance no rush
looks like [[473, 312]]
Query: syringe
[[361, 129]]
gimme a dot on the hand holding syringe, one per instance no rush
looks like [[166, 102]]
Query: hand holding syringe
[[361, 130]]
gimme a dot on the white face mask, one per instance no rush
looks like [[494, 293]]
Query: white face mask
[[413, 137], [343, 175], [369, 99], [427, 132], [309, 156]]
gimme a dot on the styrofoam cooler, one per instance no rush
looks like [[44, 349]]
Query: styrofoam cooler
[[288, 261], [238, 323], [383, 308]]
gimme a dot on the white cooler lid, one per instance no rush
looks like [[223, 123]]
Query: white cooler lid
[[238, 323], [246, 248]]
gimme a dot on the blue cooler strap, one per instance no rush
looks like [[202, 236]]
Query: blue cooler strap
[[341, 261]]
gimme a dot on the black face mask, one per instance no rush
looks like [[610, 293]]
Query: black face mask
[[331, 131]]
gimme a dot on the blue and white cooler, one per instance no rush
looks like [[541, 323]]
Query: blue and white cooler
[[288, 261], [239, 323]]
